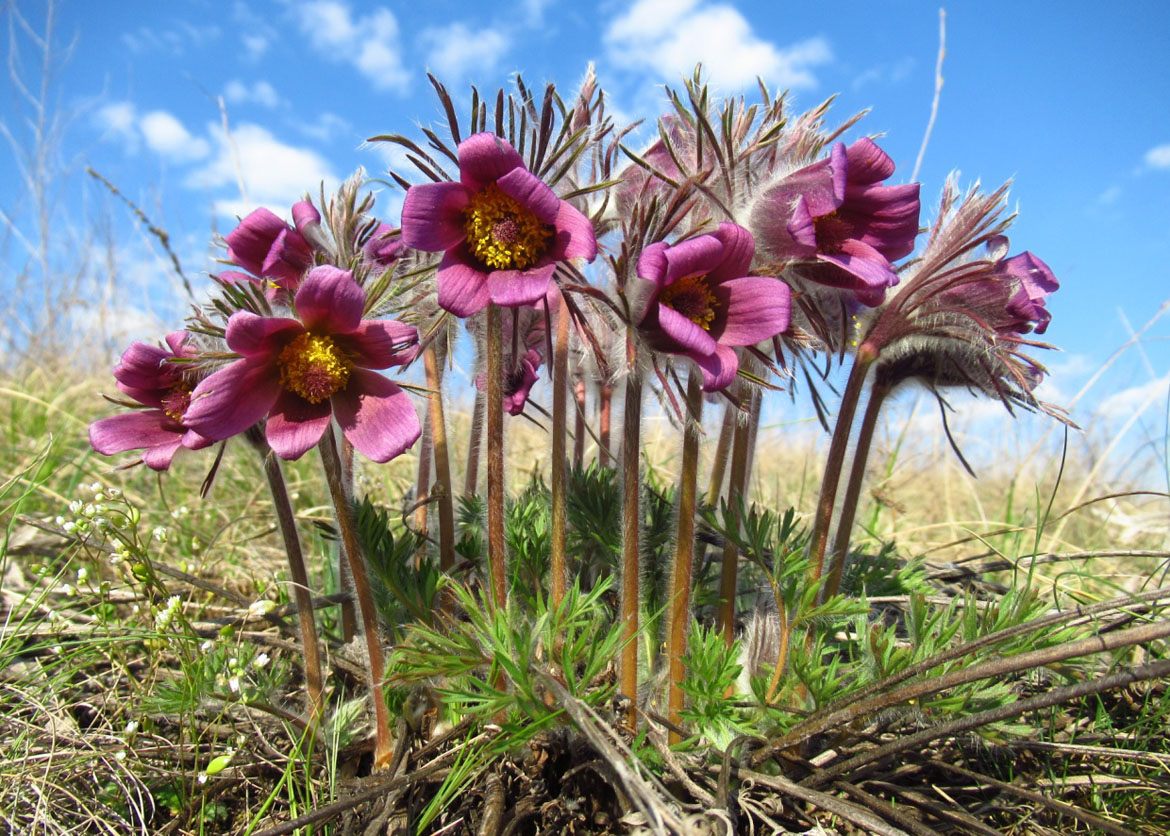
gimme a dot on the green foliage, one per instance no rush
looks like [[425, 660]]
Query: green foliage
[[713, 708], [406, 579]]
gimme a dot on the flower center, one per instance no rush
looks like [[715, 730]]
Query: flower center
[[831, 232], [176, 401], [313, 367], [691, 297], [502, 234]]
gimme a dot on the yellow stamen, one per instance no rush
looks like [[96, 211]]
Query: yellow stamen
[[692, 298], [313, 367], [502, 234], [176, 401]]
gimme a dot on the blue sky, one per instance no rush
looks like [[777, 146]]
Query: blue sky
[[1068, 101]]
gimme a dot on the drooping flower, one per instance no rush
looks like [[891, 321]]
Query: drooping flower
[[704, 304], [1036, 281], [268, 248], [148, 374], [383, 248], [299, 373], [520, 367], [837, 223], [501, 229]]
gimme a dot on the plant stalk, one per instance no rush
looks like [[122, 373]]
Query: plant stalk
[[631, 529], [722, 447], [559, 466], [678, 606], [471, 475], [434, 372], [836, 459], [302, 594], [604, 401], [736, 494], [422, 494], [351, 545], [494, 405], [348, 612], [579, 423], [840, 548]]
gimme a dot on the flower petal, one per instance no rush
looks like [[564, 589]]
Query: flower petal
[[719, 369], [330, 301], [462, 288], [512, 288], [381, 343], [652, 264], [689, 337], [739, 247], [575, 237], [295, 425], [248, 243], [752, 309], [432, 216], [288, 259], [229, 401], [530, 192], [160, 456], [485, 158], [376, 416], [693, 257], [868, 267], [867, 163], [133, 431], [145, 367], [305, 213], [253, 335]]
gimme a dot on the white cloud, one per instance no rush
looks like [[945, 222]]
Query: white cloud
[[118, 120], [668, 37], [455, 49], [260, 92], [255, 46], [369, 42], [885, 73], [1159, 157], [1135, 399], [174, 40], [325, 127], [165, 135], [275, 174], [1109, 196]]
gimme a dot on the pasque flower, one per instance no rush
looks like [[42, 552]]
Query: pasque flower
[[837, 222], [298, 373], [501, 229], [703, 303], [268, 248], [148, 374], [383, 248], [527, 326]]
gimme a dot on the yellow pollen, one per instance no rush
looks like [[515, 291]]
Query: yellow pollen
[[313, 367], [502, 234], [176, 401], [692, 298]]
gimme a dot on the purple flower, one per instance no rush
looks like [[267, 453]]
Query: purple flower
[[301, 372], [500, 228], [383, 248], [269, 248], [147, 375], [837, 218], [703, 303], [1035, 281]]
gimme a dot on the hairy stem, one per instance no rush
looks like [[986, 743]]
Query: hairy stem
[[560, 381], [434, 372], [836, 459], [678, 607], [494, 405], [471, 476], [631, 528], [302, 594], [722, 447], [736, 493], [343, 511], [423, 489], [348, 614], [840, 548], [579, 424], [604, 402]]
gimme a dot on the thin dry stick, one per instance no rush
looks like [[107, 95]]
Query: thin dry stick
[[383, 747], [559, 464], [495, 455], [678, 606], [829, 803], [938, 85], [423, 486], [631, 528], [442, 459]]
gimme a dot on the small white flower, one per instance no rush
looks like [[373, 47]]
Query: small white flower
[[202, 779], [82, 574], [69, 527], [113, 493], [234, 684], [261, 660], [59, 520], [159, 534], [75, 506], [120, 755], [259, 608], [131, 727], [90, 511], [206, 646], [99, 496], [56, 649], [95, 487], [66, 590]]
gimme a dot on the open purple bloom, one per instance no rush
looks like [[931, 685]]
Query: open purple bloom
[[147, 375], [836, 219], [269, 248], [501, 229], [704, 304], [300, 373]]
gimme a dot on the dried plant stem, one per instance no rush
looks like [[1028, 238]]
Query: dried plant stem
[[579, 424], [631, 529], [559, 465], [840, 547], [836, 460], [604, 403], [343, 510], [494, 405], [434, 372], [302, 594], [678, 606], [471, 475], [423, 487], [722, 447], [736, 493]]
